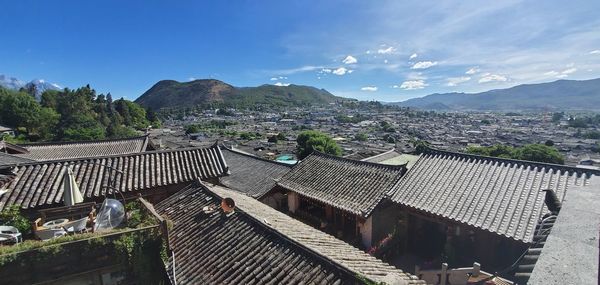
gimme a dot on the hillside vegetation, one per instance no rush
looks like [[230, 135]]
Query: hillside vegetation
[[210, 93]]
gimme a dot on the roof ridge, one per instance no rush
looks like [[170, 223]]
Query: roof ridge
[[81, 141], [106, 156], [366, 159], [359, 162], [431, 150], [223, 147]]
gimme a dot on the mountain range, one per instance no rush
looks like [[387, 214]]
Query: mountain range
[[557, 95], [205, 92], [40, 85]]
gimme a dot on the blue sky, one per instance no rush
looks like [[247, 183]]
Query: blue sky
[[383, 50]]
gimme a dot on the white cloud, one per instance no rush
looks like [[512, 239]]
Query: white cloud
[[325, 70], [473, 70], [350, 70], [412, 85], [274, 78], [369, 88], [595, 51], [192, 78], [341, 71], [487, 77], [282, 77], [385, 61], [414, 55], [296, 70], [56, 85], [387, 50], [350, 60], [281, 84], [563, 74], [453, 81], [424, 64]]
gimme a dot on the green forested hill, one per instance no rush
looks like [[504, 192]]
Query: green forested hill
[[67, 115], [210, 92]]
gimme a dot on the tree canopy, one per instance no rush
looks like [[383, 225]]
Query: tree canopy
[[66, 115], [530, 152], [308, 141]]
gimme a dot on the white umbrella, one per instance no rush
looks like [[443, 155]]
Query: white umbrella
[[71, 194]]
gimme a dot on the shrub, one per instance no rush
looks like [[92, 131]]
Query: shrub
[[11, 216]]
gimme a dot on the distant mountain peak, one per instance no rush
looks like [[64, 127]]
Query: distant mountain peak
[[40, 85], [203, 92], [557, 95]]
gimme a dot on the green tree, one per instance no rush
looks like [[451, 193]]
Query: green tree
[[419, 145], [577, 123], [18, 109], [308, 141], [361, 137], [540, 153], [530, 152], [120, 131], [11, 216], [389, 139], [50, 99], [498, 150], [246, 136], [45, 127], [386, 127], [192, 129]]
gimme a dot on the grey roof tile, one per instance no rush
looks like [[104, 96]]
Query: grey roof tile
[[251, 175], [9, 159], [39, 184], [350, 185], [261, 245], [502, 196], [65, 150]]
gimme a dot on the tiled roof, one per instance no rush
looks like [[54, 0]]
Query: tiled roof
[[350, 185], [9, 159], [250, 174], [527, 262], [259, 245], [382, 156], [40, 184], [392, 157], [65, 150], [6, 176], [503, 196], [571, 252]]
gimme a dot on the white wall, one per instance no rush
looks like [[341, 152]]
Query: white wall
[[293, 201], [366, 231]]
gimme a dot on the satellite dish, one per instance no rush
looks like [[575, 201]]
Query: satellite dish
[[111, 215]]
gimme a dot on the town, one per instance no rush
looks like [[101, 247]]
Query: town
[[368, 129], [300, 142]]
